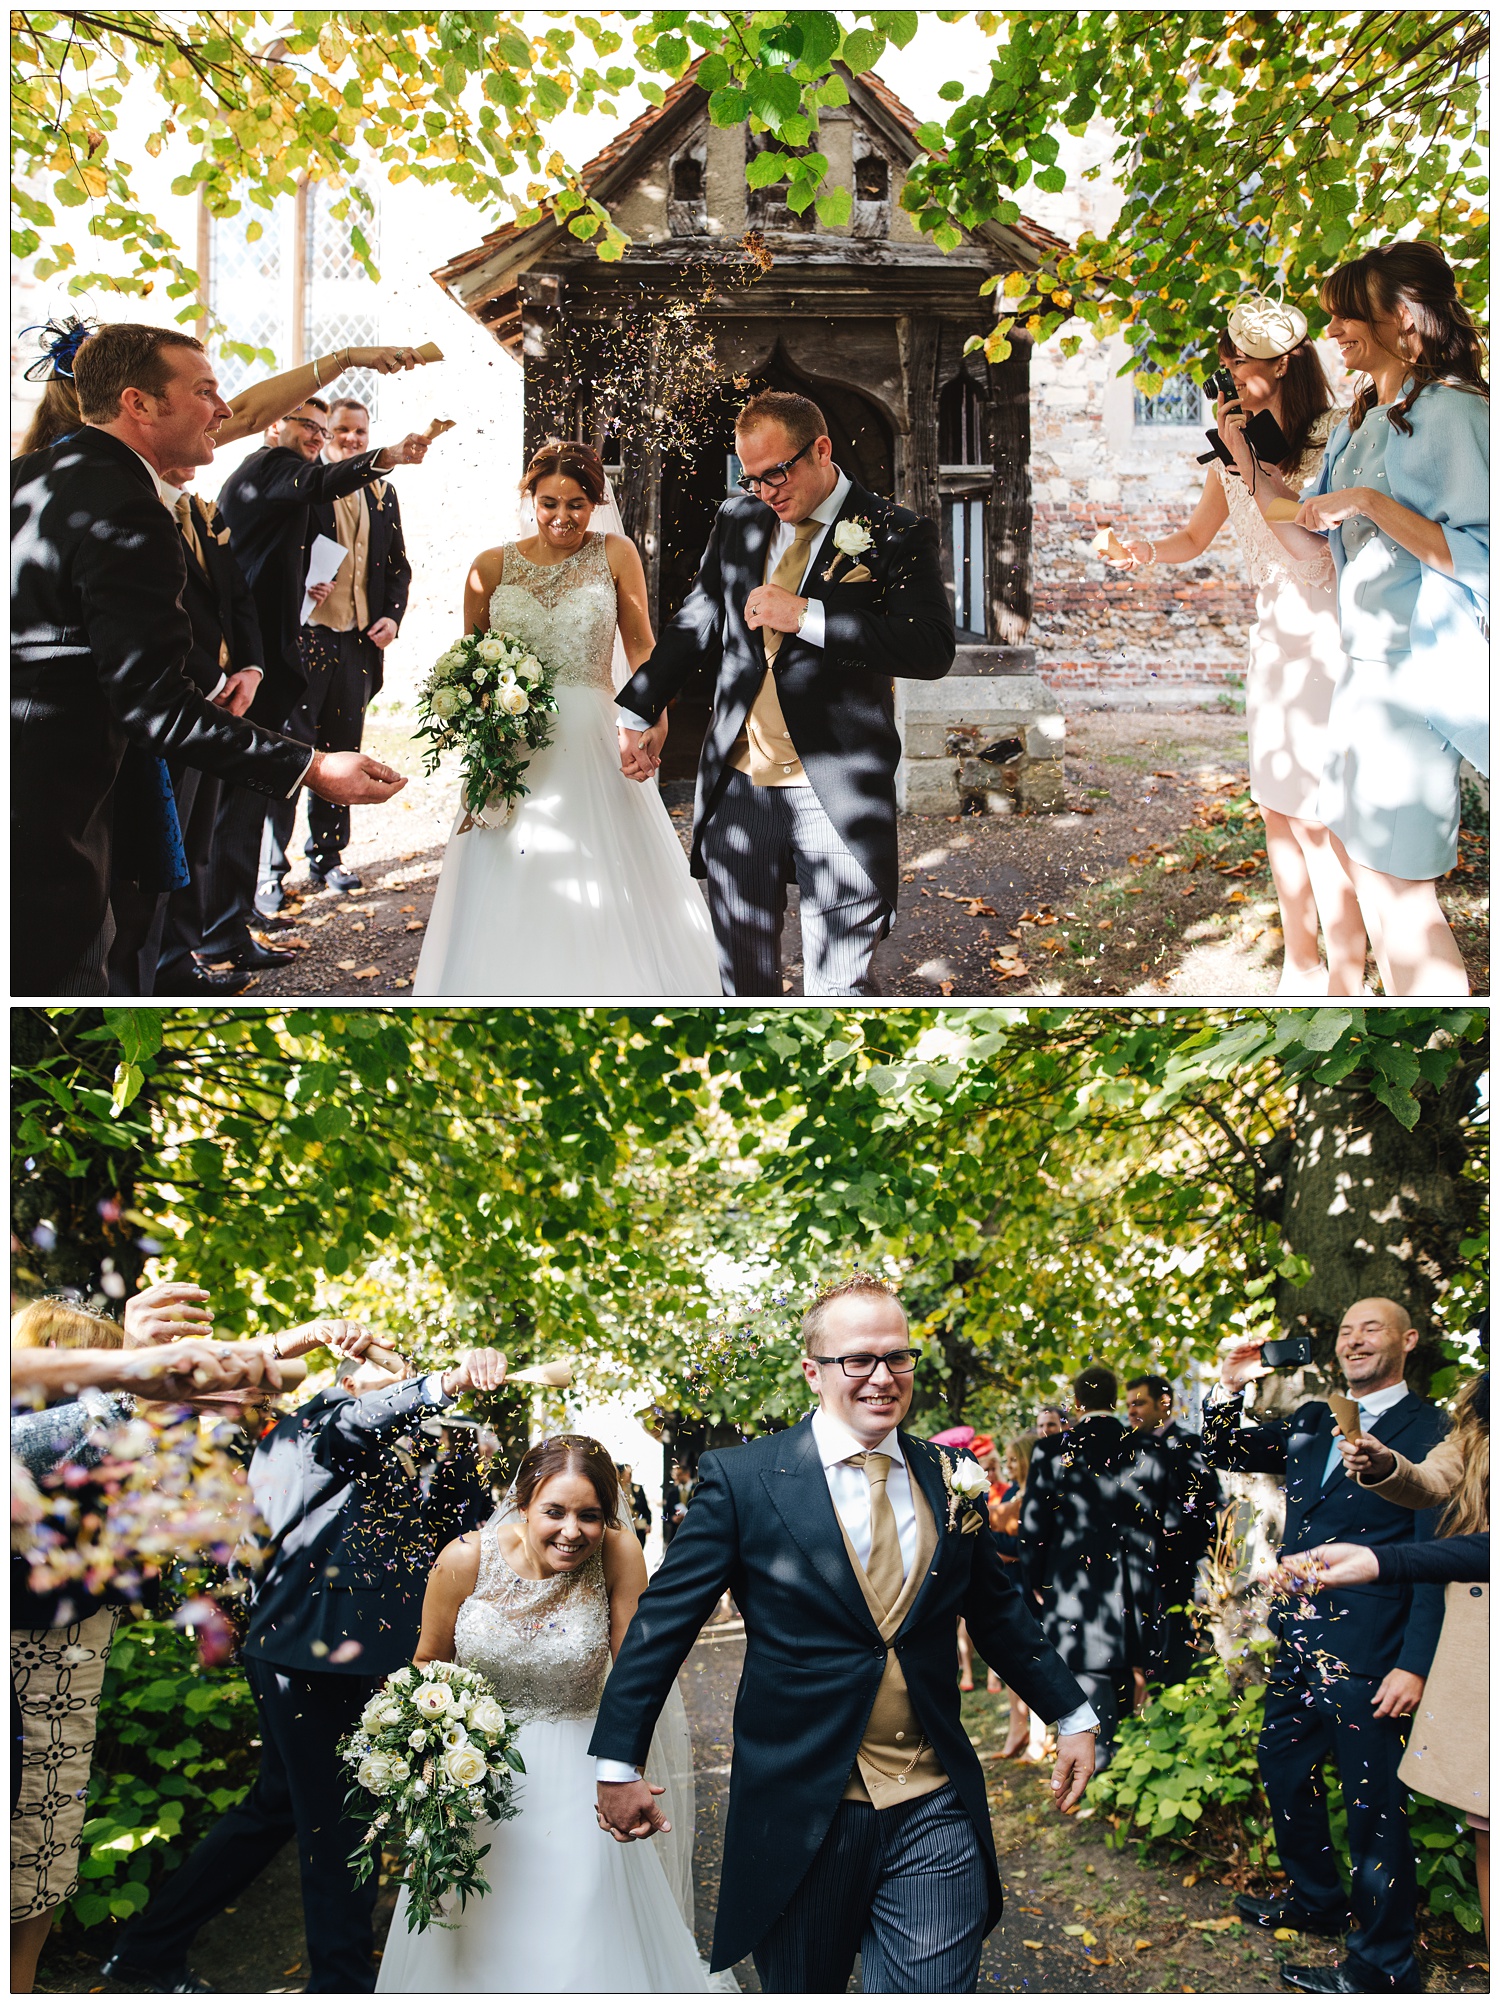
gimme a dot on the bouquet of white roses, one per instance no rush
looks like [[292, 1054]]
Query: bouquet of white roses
[[433, 1751], [490, 695]]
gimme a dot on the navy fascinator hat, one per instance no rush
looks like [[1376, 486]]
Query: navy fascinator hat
[[61, 341]]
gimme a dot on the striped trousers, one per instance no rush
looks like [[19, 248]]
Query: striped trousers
[[757, 841], [904, 1888]]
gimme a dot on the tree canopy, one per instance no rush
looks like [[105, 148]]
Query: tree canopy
[[658, 1192], [1255, 148]]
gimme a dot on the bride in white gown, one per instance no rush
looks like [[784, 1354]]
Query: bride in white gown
[[539, 1601], [585, 890]]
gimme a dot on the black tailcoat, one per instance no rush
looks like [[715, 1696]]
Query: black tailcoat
[[98, 645], [388, 571], [1089, 1530], [837, 699], [762, 1524], [266, 502], [1370, 1629], [352, 1536]]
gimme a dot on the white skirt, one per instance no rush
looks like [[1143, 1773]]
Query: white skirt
[[584, 892], [568, 1907], [1296, 658]]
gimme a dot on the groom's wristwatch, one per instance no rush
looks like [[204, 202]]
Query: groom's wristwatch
[[802, 616]]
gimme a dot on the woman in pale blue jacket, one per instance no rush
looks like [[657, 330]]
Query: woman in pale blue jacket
[[1403, 496]]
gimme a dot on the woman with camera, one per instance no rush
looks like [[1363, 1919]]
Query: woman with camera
[[1295, 654], [1403, 499]]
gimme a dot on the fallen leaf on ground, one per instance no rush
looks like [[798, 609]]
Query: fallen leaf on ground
[[1191, 1879], [1216, 1926], [347, 966], [1235, 898], [365, 973], [1187, 890], [977, 908], [1077, 1928], [406, 908], [1166, 775], [1031, 1944], [945, 988], [1008, 967], [1285, 1934], [1030, 1910], [1142, 1944], [1105, 925], [416, 925]]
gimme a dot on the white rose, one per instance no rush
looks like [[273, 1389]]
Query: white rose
[[446, 702], [401, 1678], [481, 676], [418, 1740], [514, 701], [491, 650], [464, 1765], [374, 1773], [969, 1480], [529, 668], [852, 538], [487, 1717], [399, 1766], [431, 1700]]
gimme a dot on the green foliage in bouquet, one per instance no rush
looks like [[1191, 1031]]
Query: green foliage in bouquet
[[433, 1752], [491, 696], [176, 1748]]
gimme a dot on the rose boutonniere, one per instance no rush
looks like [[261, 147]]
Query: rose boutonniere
[[965, 1482], [851, 538]]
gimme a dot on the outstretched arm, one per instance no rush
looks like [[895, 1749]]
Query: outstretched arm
[[691, 637], [698, 1567]]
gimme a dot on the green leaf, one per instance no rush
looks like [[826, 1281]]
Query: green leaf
[[729, 106], [862, 50], [835, 208], [766, 169], [773, 95]]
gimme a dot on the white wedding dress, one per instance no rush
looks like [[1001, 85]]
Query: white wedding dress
[[585, 890], [568, 1907]]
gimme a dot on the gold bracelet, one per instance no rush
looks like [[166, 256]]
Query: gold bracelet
[[317, 379]]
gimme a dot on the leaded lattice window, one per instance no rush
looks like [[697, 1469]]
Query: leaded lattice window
[[247, 292], [1180, 402], [341, 303]]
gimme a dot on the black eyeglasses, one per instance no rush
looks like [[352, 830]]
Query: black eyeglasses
[[773, 477], [900, 1363]]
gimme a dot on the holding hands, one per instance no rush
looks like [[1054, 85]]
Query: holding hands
[[640, 751], [627, 1810]]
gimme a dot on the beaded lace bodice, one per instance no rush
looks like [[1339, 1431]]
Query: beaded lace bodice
[[1267, 559], [566, 611], [543, 1644]]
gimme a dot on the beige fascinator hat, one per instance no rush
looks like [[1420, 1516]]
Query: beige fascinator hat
[[1265, 328]]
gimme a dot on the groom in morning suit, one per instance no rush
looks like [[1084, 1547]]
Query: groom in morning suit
[[857, 1815], [812, 594]]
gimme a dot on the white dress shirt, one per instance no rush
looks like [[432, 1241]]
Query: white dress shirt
[[849, 1489], [812, 628], [1371, 1406]]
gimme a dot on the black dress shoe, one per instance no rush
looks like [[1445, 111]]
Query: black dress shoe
[[335, 879], [256, 956], [1350, 1979], [118, 1970], [204, 981], [1283, 1911]]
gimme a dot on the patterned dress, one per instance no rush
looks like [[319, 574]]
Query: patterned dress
[[568, 1907], [585, 890]]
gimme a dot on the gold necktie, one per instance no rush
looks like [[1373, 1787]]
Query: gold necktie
[[885, 1568], [183, 510], [788, 574]]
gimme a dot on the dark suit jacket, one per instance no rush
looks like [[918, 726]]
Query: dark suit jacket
[[1371, 1629], [388, 582], [266, 502], [837, 699], [218, 602], [1089, 1531], [98, 643], [1186, 1495], [352, 1537], [762, 1525]]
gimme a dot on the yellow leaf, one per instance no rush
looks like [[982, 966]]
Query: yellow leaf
[[1089, 1939], [1016, 284], [1031, 1944], [1285, 1934], [348, 966], [1078, 1929], [1142, 1944], [365, 973], [1216, 1926]]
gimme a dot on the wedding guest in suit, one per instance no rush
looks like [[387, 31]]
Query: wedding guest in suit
[[98, 642], [1187, 1498], [813, 592], [1050, 1421], [265, 504], [858, 1822], [343, 648], [1087, 1553], [336, 1607], [1350, 1667], [157, 936]]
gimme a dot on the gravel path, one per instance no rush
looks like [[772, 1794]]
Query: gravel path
[[991, 905]]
